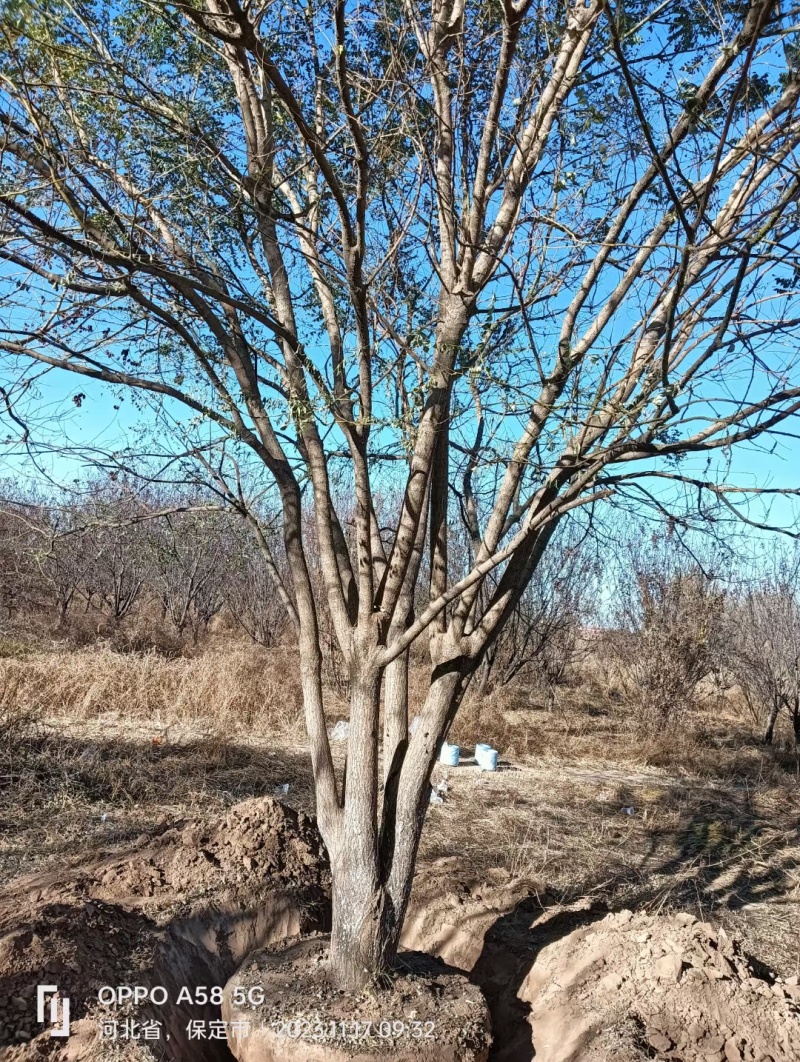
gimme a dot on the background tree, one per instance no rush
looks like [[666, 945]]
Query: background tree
[[764, 626], [542, 640], [117, 565], [670, 619], [188, 551], [552, 247], [249, 589]]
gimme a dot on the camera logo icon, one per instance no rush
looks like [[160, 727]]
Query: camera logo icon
[[59, 1010]]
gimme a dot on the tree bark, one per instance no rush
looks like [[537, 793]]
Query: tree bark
[[405, 810], [769, 733], [395, 713], [373, 875], [357, 952]]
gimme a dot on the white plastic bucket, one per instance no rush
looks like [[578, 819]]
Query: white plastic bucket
[[449, 755], [486, 757], [489, 761]]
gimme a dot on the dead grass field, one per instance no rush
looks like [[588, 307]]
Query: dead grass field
[[99, 747]]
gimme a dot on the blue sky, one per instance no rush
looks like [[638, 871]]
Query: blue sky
[[64, 427]]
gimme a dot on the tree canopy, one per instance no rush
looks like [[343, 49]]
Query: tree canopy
[[512, 259]]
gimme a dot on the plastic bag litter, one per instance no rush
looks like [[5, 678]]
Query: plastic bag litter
[[628, 811], [341, 731], [436, 798], [281, 790]]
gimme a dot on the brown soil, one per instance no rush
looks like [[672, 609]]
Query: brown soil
[[424, 1012], [184, 907], [638, 986], [576, 984], [187, 905]]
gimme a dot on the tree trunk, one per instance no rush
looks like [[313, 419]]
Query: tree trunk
[[373, 873], [357, 955], [405, 808], [395, 713], [773, 716], [357, 952], [482, 684]]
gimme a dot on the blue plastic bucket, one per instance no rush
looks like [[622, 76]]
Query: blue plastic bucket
[[449, 755], [481, 750]]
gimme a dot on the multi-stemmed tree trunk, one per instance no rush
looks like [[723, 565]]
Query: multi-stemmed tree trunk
[[540, 251]]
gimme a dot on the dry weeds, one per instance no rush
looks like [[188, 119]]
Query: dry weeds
[[98, 747], [237, 687]]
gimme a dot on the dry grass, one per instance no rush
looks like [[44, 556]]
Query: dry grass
[[639, 838], [105, 745], [98, 746], [716, 739], [237, 687], [69, 783]]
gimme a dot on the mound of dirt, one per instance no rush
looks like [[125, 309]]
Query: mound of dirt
[[424, 1012], [259, 839], [634, 987], [184, 907]]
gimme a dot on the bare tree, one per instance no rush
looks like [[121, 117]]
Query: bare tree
[[111, 536], [188, 556], [411, 241], [671, 628], [20, 540], [249, 588], [64, 562], [764, 626], [542, 640]]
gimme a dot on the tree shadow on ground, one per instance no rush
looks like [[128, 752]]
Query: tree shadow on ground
[[81, 792], [729, 848], [723, 852], [509, 951]]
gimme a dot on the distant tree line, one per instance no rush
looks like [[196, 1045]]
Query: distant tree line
[[155, 567], [110, 553]]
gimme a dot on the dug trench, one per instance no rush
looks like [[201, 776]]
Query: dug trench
[[188, 906], [179, 910]]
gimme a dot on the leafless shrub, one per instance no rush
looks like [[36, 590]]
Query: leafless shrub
[[671, 631], [118, 566], [764, 626], [188, 552], [542, 640], [249, 590]]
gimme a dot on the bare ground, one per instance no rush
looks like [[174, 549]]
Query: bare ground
[[580, 820]]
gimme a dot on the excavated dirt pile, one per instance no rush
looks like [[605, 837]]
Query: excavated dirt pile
[[182, 908], [576, 984], [186, 907], [632, 987], [257, 839]]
